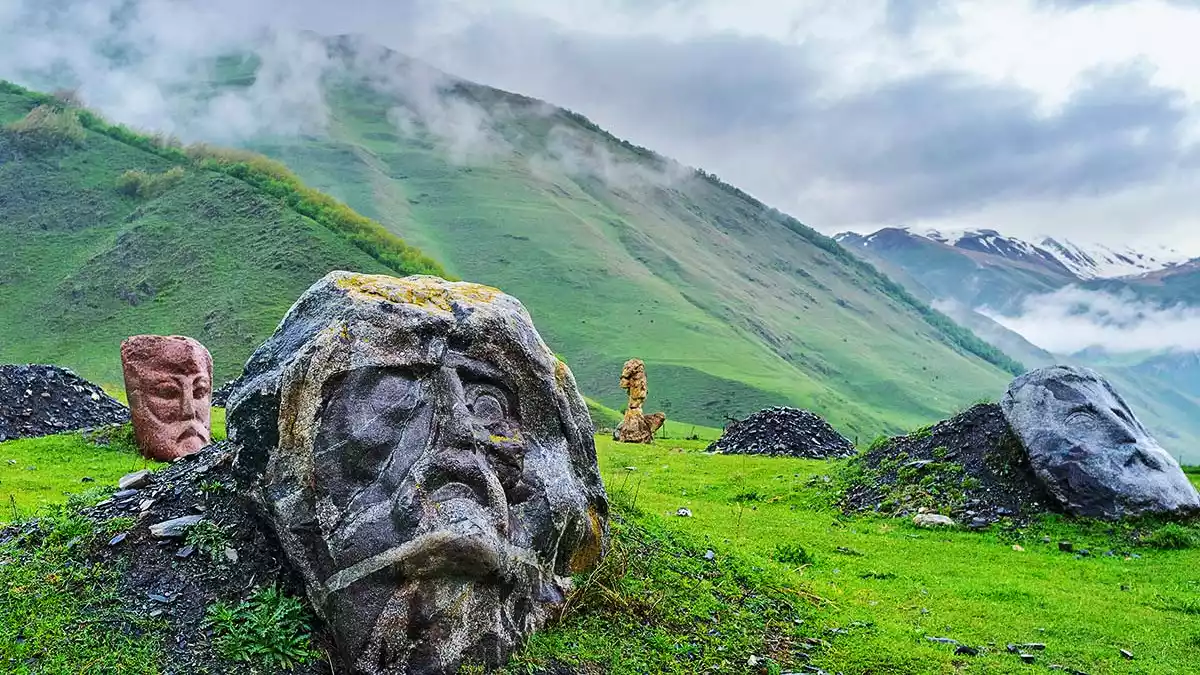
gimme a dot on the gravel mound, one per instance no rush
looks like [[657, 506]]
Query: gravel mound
[[971, 468], [37, 400], [783, 431]]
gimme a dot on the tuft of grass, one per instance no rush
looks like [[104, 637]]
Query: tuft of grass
[[1172, 536], [793, 554], [47, 127], [269, 630], [142, 185]]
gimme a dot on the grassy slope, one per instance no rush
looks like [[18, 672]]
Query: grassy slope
[[732, 307], [887, 585], [83, 266]]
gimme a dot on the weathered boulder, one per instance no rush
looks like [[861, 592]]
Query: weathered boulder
[[1089, 450], [168, 379], [636, 426], [427, 464]]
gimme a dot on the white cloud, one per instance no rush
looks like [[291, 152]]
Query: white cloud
[[845, 114], [1073, 319]]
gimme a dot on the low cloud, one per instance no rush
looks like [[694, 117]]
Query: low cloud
[[1073, 319]]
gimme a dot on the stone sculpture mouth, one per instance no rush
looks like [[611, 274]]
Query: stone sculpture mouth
[[439, 554]]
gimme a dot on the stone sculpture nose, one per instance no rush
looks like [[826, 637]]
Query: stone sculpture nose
[[187, 405]]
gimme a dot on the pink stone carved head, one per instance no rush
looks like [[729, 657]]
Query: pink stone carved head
[[168, 380]]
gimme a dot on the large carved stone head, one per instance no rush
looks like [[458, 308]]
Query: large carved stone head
[[428, 465], [168, 380], [1089, 449]]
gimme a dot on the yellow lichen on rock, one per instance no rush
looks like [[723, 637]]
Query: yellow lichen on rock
[[422, 291]]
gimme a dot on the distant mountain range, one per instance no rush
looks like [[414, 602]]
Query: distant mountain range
[[994, 284]]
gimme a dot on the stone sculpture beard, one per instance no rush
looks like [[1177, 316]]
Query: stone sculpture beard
[[1089, 448], [168, 380]]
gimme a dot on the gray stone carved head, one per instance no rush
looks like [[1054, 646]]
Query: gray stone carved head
[[1089, 449], [428, 465]]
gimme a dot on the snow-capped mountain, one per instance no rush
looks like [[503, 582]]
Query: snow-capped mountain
[[1083, 261]]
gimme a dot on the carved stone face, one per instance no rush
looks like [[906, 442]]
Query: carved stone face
[[434, 474], [168, 380], [1089, 448]]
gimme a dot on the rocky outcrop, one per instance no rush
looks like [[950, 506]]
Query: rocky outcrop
[[783, 431], [427, 464], [40, 400], [636, 426], [1089, 449], [168, 379]]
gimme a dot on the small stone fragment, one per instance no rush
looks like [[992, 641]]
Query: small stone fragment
[[1127, 654], [932, 520], [160, 598], [1028, 658], [709, 554], [117, 539], [124, 494], [964, 650], [135, 480], [1018, 548], [175, 528], [87, 479], [684, 513], [942, 640], [146, 504], [1066, 546], [231, 555], [185, 552]]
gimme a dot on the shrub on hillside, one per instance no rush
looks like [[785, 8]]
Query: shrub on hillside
[[142, 185], [47, 127]]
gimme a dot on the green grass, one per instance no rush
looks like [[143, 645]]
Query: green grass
[[39, 471], [888, 584], [59, 614], [788, 576]]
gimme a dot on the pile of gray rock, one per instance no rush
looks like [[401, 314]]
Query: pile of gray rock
[[782, 431], [40, 400]]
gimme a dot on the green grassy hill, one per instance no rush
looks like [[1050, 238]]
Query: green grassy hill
[[83, 264], [621, 253]]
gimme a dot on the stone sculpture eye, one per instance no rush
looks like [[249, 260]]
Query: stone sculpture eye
[[487, 404], [1081, 419]]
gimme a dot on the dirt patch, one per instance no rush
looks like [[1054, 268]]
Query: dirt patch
[[780, 431], [39, 400], [167, 581], [971, 468]]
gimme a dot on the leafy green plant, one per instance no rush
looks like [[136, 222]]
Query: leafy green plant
[[208, 537], [793, 554], [270, 629], [118, 524]]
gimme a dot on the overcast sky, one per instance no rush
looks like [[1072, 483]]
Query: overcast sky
[[1062, 117]]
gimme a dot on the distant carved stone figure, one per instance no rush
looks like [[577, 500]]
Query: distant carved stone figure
[[428, 465], [168, 379], [1089, 449], [636, 426]]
